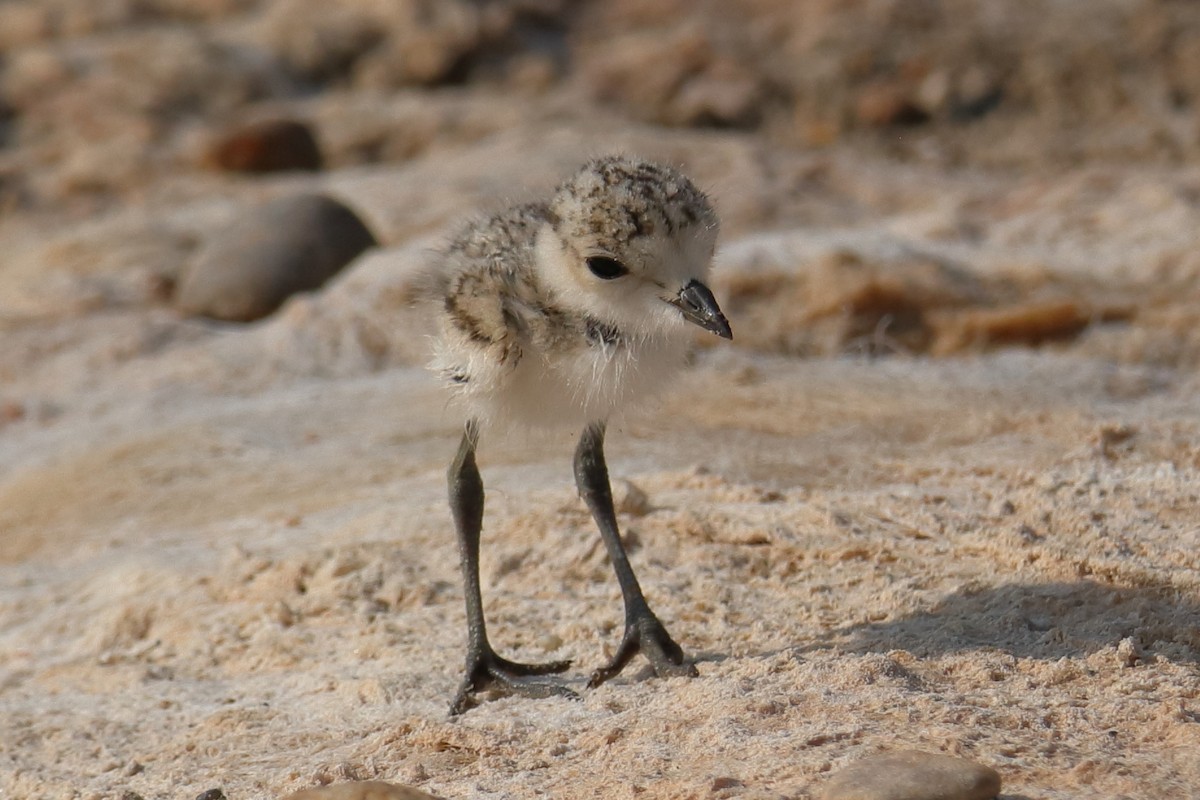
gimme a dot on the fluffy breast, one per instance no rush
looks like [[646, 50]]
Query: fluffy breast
[[585, 377]]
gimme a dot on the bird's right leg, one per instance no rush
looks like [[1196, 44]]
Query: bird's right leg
[[643, 631], [485, 669]]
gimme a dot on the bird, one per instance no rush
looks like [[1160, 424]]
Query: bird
[[559, 314]]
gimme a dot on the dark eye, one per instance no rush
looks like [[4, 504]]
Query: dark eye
[[605, 268]]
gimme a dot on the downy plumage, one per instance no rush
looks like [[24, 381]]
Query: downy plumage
[[562, 313]]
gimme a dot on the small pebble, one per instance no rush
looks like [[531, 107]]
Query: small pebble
[[1129, 652], [887, 102], [276, 145], [212, 794], [293, 244], [725, 782], [11, 411], [362, 790], [629, 498], [913, 775]]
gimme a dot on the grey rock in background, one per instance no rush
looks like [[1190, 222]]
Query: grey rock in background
[[292, 244]]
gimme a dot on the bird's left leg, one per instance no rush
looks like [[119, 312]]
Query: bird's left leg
[[643, 631]]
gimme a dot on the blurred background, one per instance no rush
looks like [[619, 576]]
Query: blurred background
[[99, 97], [1007, 136]]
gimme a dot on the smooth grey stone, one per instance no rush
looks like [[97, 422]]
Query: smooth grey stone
[[292, 244], [913, 775]]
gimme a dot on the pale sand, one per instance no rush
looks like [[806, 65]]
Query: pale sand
[[227, 559]]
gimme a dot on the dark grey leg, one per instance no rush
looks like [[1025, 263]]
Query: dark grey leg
[[643, 632], [484, 668]]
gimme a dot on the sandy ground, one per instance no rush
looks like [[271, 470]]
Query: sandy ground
[[940, 493]]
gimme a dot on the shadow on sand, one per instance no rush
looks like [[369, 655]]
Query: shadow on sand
[[1044, 620]]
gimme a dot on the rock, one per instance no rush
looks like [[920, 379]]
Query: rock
[[430, 44], [913, 775], [1031, 323], [317, 40], [33, 74], [726, 95], [11, 411], [362, 790], [1129, 652], [293, 244], [276, 145], [682, 77], [23, 24], [979, 91], [629, 498], [887, 102], [933, 92]]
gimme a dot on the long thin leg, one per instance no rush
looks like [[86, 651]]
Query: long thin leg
[[643, 632], [484, 668]]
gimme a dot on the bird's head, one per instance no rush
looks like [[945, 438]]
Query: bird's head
[[631, 243]]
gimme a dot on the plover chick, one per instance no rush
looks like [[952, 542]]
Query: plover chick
[[562, 313]]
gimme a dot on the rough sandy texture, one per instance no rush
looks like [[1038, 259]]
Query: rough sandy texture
[[940, 494]]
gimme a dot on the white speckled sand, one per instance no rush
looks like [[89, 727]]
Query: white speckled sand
[[226, 558], [228, 561]]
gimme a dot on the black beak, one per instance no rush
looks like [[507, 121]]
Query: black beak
[[698, 305]]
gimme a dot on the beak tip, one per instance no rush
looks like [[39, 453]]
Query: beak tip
[[719, 326], [699, 307]]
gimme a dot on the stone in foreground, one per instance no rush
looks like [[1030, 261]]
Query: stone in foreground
[[913, 775], [362, 790]]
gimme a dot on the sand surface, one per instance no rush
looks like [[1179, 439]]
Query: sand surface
[[940, 493]]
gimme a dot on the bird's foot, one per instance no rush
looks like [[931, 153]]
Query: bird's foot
[[486, 670], [645, 634]]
